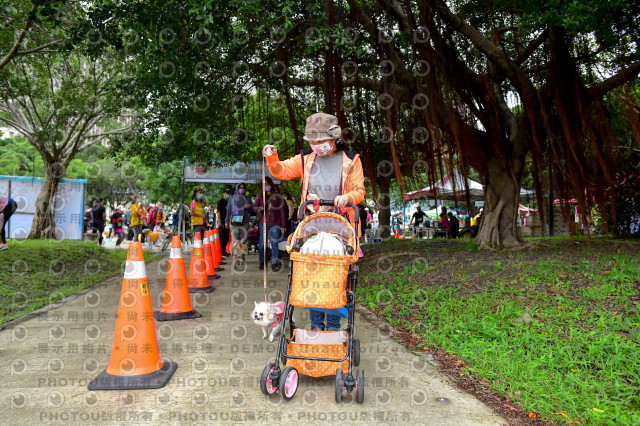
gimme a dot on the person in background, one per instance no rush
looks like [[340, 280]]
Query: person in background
[[444, 222], [276, 222], [198, 218], [473, 229], [211, 217], [362, 210], [99, 218], [8, 206], [110, 230], [222, 214], [117, 219], [137, 218], [161, 216], [454, 225], [369, 232], [238, 214], [290, 212], [375, 222], [152, 217], [419, 216], [127, 218]]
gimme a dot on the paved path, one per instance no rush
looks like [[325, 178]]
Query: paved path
[[47, 360]]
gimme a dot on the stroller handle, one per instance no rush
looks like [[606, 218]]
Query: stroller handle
[[328, 203]]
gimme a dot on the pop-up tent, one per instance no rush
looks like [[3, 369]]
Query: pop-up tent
[[452, 187]]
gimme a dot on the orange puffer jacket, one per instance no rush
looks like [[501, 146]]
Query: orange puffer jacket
[[352, 176]]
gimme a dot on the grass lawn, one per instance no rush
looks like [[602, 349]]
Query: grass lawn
[[555, 329], [36, 273]]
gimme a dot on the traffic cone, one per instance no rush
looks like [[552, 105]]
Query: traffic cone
[[218, 249], [214, 256], [397, 234], [207, 251], [229, 244], [135, 359], [175, 302], [197, 279]]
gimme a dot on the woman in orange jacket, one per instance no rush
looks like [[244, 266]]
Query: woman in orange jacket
[[329, 171]]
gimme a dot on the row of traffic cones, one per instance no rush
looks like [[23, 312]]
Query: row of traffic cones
[[135, 358]]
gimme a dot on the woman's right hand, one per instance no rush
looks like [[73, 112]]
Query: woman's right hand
[[269, 150]]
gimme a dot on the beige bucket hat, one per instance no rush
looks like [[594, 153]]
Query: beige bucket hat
[[321, 126]]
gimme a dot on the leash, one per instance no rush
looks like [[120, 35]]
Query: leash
[[264, 233]]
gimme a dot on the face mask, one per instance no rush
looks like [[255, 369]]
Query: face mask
[[200, 196], [322, 149], [241, 191], [267, 188], [226, 196]]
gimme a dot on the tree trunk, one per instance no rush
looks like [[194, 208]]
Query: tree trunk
[[43, 225], [501, 202], [384, 206]]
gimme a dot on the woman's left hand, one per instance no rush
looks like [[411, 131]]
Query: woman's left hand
[[341, 201]]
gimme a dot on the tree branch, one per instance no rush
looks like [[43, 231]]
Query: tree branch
[[616, 80], [39, 48], [528, 51], [14, 50]]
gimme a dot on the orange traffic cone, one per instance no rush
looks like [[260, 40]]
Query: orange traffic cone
[[197, 279], [135, 359], [397, 233], [217, 251], [229, 244], [175, 302], [214, 257], [206, 251]]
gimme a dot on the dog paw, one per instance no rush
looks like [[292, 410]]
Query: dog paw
[[264, 337], [271, 338]]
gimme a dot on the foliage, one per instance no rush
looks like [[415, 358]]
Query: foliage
[[36, 273], [583, 333], [31, 27]]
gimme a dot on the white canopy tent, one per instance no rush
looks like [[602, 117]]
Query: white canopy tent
[[452, 187]]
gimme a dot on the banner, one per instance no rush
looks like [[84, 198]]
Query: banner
[[68, 205], [227, 172]]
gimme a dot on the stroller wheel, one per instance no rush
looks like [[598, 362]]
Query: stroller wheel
[[356, 352], [267, 386], [360, 386], [288, 383], [339, 385]]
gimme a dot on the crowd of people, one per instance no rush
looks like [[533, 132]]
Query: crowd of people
[[449, 224]]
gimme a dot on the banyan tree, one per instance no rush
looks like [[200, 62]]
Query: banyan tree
[[511, 89]]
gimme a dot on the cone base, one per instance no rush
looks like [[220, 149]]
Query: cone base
[[201, 289], [222, 262], [163, 316], [219, 269], [214, 277], [155, 380]]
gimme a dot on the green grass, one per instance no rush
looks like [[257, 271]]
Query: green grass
[[577, 360], [36, 273]]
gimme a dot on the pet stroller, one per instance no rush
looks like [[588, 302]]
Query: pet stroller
[[326, 283]]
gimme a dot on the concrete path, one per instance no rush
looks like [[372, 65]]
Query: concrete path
[[46, 361]]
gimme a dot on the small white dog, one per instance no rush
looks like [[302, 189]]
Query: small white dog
[[268, 315]]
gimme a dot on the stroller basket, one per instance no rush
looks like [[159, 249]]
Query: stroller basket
[[318, 344], [319, 281]]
